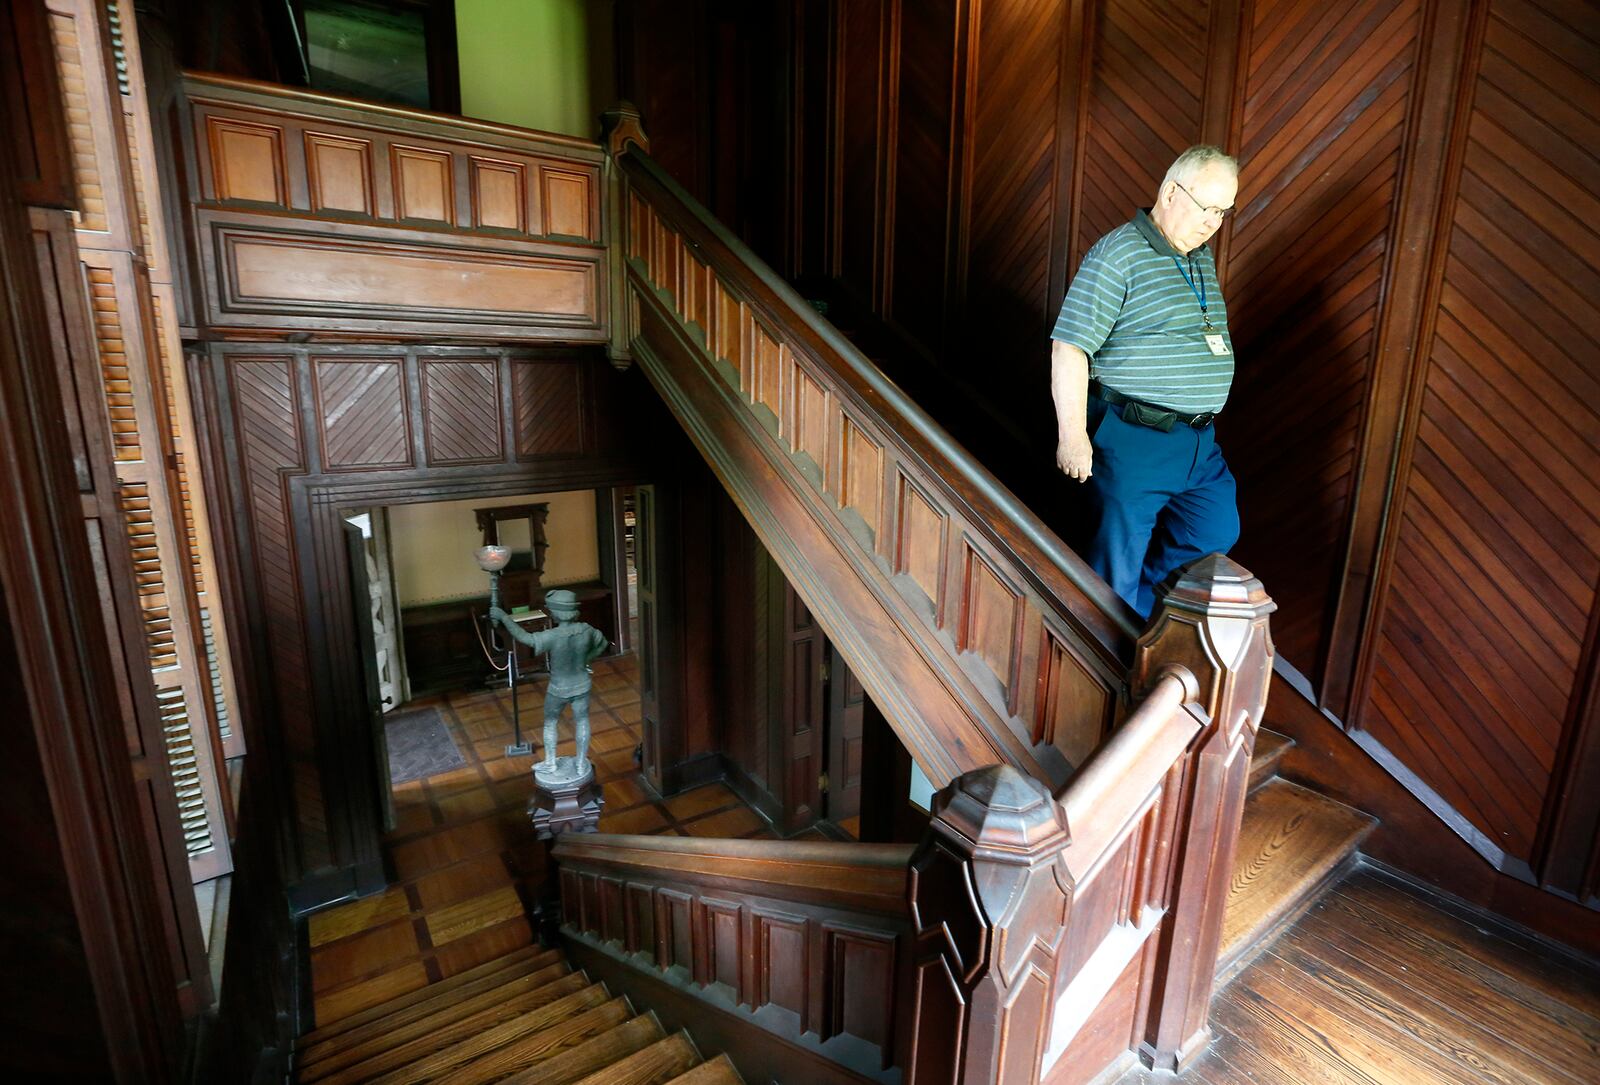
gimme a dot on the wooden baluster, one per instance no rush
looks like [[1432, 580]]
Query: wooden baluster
[[1213, 621], [989, 895]]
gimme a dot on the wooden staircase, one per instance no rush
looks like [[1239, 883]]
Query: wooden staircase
[[1294, 843], [524, 1019]]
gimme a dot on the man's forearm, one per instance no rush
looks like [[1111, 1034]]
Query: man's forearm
[[1069, 387]]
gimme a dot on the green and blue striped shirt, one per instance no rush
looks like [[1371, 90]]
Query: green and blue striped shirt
[[1133, 312]]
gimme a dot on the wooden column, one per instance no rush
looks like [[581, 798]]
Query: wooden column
[[1213, 622], [989, 904]]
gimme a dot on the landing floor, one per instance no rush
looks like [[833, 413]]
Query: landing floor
[[465, 858], [1375, 985]]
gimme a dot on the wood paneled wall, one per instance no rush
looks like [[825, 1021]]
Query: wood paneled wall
[[1412, 425], [458, 228], [308, 430]]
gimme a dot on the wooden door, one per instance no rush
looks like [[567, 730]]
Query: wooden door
[[846, 709]]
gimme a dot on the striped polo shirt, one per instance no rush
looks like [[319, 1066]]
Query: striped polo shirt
[[1131, 310]]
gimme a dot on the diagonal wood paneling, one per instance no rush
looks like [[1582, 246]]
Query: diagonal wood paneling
[[1499, 549], [1144, 108], [548, 398], [1014, 81], [266, 421], [362, 405], [1325, 96], [461, 419], [917, 276]]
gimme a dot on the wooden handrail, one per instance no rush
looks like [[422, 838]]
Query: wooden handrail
[[1113, 787], [870, 877], [1010, 524]]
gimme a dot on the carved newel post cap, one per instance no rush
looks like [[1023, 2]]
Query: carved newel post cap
[[1004, 813], [622, 124], [1219, 586]]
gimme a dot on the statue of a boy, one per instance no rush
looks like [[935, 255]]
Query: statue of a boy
[[571, 646]]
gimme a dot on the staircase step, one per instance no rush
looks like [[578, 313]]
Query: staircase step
[[719, 1071], [602, 1051], [485, 976], [1269, 750], [428, 1058], [541, 1046], [655, 1065], [449, 1023], [1292, 843]]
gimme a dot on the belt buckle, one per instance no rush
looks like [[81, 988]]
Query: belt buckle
[[1201, 421]]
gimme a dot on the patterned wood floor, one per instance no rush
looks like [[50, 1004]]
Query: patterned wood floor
[[467, 863]]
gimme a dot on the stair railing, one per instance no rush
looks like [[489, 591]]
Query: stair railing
[[980, 635], [1066, 905], [1029, 936]]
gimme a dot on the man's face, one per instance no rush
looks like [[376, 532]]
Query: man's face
[[1192, 216]]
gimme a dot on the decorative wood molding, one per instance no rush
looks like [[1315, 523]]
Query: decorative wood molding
[[263, 273]]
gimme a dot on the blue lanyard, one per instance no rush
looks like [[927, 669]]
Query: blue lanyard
[[1198, 292]]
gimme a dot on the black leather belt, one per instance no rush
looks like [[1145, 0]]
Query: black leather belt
[[1164, 416]]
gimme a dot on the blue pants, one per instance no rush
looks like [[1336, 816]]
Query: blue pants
[[1164, 500]]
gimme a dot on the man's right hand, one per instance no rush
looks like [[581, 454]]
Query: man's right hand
[[1075, 456], [496, 614]]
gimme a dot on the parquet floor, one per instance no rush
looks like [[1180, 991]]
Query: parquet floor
[[467, 863], [1378, 984]]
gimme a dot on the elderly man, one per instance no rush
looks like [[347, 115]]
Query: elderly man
[[1140, 366]]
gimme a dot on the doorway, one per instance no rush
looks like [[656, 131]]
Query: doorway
[[449, 730]]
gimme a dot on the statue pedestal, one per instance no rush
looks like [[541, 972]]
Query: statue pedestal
[[567, 800]]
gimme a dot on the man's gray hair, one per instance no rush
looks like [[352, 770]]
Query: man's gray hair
[[1197, 158]]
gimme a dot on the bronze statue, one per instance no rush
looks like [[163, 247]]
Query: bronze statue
[[571, 646]]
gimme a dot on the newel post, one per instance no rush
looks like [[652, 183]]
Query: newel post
[[1213, 621], [989, 895], [620, 126]]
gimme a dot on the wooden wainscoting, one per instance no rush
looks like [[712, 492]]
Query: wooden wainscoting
[[320, 214]]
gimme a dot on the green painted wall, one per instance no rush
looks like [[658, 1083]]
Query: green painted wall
[[526, 62]]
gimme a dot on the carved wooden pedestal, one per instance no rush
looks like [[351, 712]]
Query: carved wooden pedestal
[[566, 806]]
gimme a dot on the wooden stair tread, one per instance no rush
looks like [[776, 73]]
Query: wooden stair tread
[[541, 1046], [1291, 842], [1268, 753], [457, 1018], [485, 976], [593, 1054], [539, 1009], [719, 1071], [431, 1056], [655, 1065]]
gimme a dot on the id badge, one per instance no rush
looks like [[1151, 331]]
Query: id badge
[[1218, 345]]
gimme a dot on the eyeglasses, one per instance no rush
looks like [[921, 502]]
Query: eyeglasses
[[1220, 212]]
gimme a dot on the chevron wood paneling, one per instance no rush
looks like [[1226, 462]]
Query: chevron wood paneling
[[1325, 98], [266, 422], [461, 416], [362, 405], [1498, 554], [548, 400], [1148, 65]]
